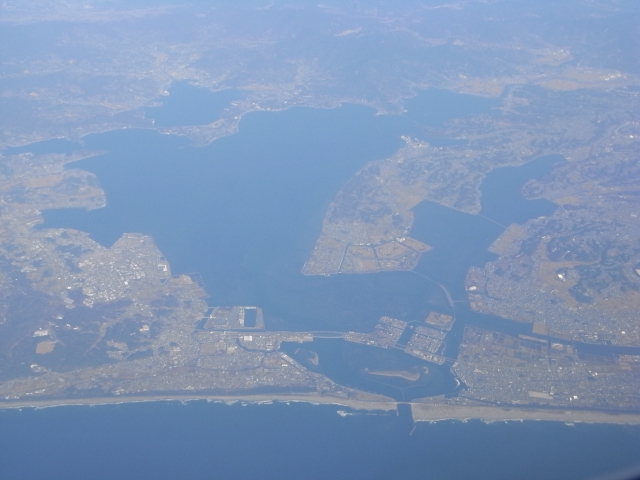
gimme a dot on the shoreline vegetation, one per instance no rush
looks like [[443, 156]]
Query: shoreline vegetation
[[422, 412], [410, 376]]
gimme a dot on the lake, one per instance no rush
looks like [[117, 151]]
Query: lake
[[245, 213]]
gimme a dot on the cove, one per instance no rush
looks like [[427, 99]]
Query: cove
[[461, 240], [190, 105]]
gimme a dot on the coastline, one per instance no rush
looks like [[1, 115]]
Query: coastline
[[355, 404], [421, 412], [435, 413]]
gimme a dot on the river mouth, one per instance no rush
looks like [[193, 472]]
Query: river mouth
[[384, 371]]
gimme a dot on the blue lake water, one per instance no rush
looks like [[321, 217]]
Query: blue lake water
[[189, 105], [350, 364], [245, 213], [55, 145]]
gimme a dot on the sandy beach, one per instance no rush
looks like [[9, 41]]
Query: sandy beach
[[356, 404], [422, 412], [431, 413]]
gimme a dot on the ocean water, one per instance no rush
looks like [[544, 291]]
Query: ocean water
[[200, 440]]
